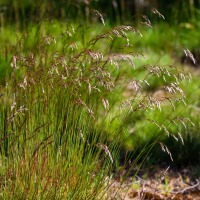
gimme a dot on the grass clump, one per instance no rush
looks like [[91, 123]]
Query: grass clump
[[50, 146], [65, 115]]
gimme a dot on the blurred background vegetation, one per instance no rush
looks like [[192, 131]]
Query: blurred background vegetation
[[119, 11]]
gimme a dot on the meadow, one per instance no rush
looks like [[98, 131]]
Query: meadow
[[82, 102]]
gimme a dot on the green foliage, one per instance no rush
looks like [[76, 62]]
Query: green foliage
[[5, 70]]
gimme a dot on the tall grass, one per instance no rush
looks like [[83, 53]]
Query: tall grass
[[64, 117]]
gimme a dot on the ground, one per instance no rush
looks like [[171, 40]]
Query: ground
[[158, 184]]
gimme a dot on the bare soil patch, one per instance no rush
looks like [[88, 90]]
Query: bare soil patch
[[158, 184]]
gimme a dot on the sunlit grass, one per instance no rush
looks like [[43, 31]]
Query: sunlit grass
[[72, 98]]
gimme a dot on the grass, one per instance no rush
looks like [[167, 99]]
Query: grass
[[72, 97], [50, 146]]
